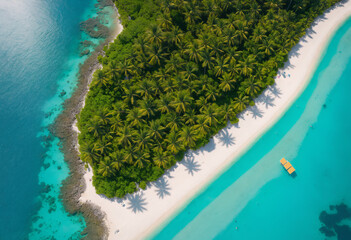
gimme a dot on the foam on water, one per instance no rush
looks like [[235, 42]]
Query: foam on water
[[255, 198]]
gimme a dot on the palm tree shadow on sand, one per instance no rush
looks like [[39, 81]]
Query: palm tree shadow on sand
[[256, 112], [137, 202], [191, 166], [267, 100], [275, 90], [225, 138], [162, 188]]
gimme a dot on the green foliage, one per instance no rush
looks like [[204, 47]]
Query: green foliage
[[176, 75], [142, 185]]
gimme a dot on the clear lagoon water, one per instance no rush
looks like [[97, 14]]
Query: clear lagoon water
[[39, 62], [255, 198]]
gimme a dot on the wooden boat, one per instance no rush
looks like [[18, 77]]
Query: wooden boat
[[287, 165]]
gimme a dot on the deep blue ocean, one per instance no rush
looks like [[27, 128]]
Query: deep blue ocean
[[39, 61], [255, 198]]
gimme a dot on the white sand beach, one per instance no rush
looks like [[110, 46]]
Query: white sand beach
[[139, 214]]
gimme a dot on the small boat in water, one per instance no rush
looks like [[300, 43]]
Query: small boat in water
[[287, 165]]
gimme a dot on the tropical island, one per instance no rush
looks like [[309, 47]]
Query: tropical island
[[175, 76], [137, 198]]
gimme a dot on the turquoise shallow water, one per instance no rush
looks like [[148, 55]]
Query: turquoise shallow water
[[39, 62], [255, 198]]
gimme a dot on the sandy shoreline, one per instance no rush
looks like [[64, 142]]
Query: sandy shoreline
[[138, 215]]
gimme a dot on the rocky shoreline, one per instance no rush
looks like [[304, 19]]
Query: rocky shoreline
[[74, 184]]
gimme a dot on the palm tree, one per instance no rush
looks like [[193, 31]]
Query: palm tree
[[174, 122], [142, 139], [95, 127], [227, 113], [113, 70], [147, 107], [161, 159], [130, 155], [231, 55], [156, 86], [161, 75], [141, 158], [229, 36], [192, 13], [204, 41], [202, 125], [217, 47], [190, 117], [141, 45], [189, 71], [155, 35], [130, 95], [221, 66], [267, 47], [165, 22], [103, 146], [181, 101], [135, 117], [125, 136], [125, 68], [210, 114], [211, 93], [255, 9], [142, 61], [105, 167], [164, 103], [201, 103], [174, 144], [194, 52], [175, 36], [156, 129], [259, 34], [179, 81], [89, 153], [145, 88], [173, 64], [182, 46], [100, 79], [168, 85], [119, 108], [231, 21], [240, 102], [227, 82], [188, 136], [206, 59], [104, 116], [117, 159], [246, 65], [241, 30], [156, 55], [252, 87]]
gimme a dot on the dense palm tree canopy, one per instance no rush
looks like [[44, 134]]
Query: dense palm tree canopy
[[176, 75]]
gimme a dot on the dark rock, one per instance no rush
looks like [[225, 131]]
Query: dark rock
[[46, 165], [85, 52]]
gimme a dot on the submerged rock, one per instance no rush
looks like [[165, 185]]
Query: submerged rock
[[330, 222], [85, 52]]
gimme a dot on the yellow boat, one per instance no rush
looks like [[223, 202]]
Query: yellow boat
[[287, 165]]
